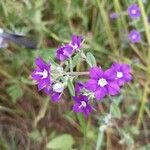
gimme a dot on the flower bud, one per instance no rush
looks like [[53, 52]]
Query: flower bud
[[58, 87]]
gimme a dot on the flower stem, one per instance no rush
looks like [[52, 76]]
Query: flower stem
[[42, 112], [77, 73], [145, 91]]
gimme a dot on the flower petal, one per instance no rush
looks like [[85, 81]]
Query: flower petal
[[36, 76], [68, 50], [41, 63], [76, 108], [126, 68], [110, 74], [116, 66], [56, 96], [42, 84], [120, 82], [127, 77], [76, 40], [100, 93], [113, 88], [96, 72], [78, 87], [87, 111], [91, 84]]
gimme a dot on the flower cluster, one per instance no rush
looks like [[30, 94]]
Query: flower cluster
[[53, 79], [108, 82], [133, 12]]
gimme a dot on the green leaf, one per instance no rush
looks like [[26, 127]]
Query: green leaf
[[115, 111], [71, 87], [61, 142], [100, 140], [83, 125], [15, 92], [76, 59], [90, 59]]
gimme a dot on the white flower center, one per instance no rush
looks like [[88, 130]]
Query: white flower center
[[133, 11], [119, 74], [58, 87], [75, 46], [102, 82], [83, 104], [44, 74], [134, 36]]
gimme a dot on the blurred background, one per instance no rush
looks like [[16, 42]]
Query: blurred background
[[29, 120]]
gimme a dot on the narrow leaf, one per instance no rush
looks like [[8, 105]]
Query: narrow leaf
[[91, 59], [71, 87], [76, 60]]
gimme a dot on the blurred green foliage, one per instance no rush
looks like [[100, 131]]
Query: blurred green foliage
[[28, 120]]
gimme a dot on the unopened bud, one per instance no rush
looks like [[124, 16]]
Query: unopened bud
[[58, 87]]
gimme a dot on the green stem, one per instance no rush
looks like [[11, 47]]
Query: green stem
[[105, 19], [145, 92], [77, 73], [146, 26], [143, 101], [42, 112]]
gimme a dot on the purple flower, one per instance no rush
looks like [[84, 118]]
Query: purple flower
[[78, 87], [114, 15], [41, 74], [102, 82], [65, 52], [123, 73], [134, 11], [76, 41], [82, 105], [134, 36], [55, 91]]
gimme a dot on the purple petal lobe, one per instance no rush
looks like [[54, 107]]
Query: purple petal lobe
[[91, 84], [76, 108], [100, 93], [55, 96], [40, 63], [96, 72], [113, 88], [110, 74], [41, 85], [78, 87]]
